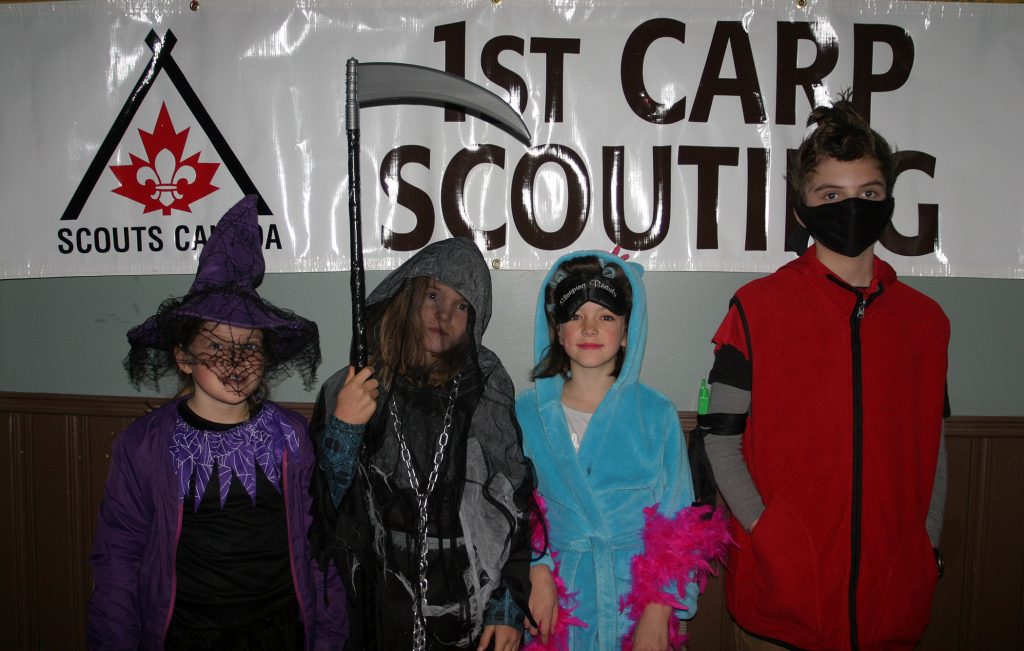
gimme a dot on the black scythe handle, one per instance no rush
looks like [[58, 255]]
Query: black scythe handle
[[358, 352]]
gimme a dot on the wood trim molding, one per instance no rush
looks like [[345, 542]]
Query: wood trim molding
[[84, 405], [985, 426], [135, 406]]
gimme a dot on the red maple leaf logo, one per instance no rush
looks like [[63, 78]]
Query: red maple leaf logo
[[163, 181]]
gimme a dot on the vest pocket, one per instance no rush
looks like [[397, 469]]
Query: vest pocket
[[786, 569], [904, 605]]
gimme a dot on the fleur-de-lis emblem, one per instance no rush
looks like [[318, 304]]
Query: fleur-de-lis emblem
[[164, 180], [177, 176]]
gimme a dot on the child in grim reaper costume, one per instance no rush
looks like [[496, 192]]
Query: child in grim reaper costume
[[201, 541], [628, 553], [423, 492]]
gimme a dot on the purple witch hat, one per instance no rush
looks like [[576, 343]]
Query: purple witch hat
[[231, 267]]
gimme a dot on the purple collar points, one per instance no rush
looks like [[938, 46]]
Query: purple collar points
[[260, 440]]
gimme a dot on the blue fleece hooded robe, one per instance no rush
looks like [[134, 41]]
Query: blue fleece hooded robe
[[632, 456]]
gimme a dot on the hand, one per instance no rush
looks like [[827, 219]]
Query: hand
[[543, 602], [652, 630], [357, 399], [506, 638]]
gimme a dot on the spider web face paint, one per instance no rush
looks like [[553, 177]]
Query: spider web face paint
[[226, 362]]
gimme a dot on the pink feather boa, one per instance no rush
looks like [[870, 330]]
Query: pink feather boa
[[559, 637], [676, 550]]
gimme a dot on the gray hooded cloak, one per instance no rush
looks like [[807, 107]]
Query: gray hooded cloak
[[478, 522]]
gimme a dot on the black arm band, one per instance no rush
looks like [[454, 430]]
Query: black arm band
[[721, 424]]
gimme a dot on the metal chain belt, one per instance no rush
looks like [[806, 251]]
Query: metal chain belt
[[419, 631]]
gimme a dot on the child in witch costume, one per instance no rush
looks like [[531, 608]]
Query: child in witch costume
[[612, 469], [432, 537], [202, 535]]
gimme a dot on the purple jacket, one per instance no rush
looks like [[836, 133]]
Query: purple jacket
[[133, 552]]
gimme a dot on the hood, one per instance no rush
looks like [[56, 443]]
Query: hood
[[636, 333], [456, 262], [839, 294], [809, 265]]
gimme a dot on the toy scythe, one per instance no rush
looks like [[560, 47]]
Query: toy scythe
[[376, 84]]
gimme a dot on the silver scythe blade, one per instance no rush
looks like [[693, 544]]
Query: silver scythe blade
[[404, 83], [376, 84]]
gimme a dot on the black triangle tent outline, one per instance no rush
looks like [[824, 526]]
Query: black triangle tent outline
[[161, 61]]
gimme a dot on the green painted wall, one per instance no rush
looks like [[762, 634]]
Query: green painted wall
[[67, 335]]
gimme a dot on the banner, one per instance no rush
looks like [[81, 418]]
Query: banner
[[128, 128]]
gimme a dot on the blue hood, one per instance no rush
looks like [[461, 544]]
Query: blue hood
[[636, 337]]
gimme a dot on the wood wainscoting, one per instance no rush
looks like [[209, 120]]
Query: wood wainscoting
[[56, 450]]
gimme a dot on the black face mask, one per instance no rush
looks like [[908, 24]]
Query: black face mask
[[847, 227]]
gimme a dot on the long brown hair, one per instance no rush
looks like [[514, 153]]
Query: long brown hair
[[397, 333]]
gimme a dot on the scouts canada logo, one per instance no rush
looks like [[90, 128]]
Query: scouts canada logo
[[165, 179], [165, 174]]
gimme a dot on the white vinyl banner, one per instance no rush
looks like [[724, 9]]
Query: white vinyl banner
[[128, 127]]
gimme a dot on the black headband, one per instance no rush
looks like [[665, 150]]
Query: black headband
[[577, 289]]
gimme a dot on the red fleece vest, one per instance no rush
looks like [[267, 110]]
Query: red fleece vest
[[842, 442]]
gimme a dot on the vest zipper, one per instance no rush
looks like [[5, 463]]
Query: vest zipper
[[858, 466], [856, 503]]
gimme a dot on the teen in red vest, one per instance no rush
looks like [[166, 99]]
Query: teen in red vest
[[825, 423]]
